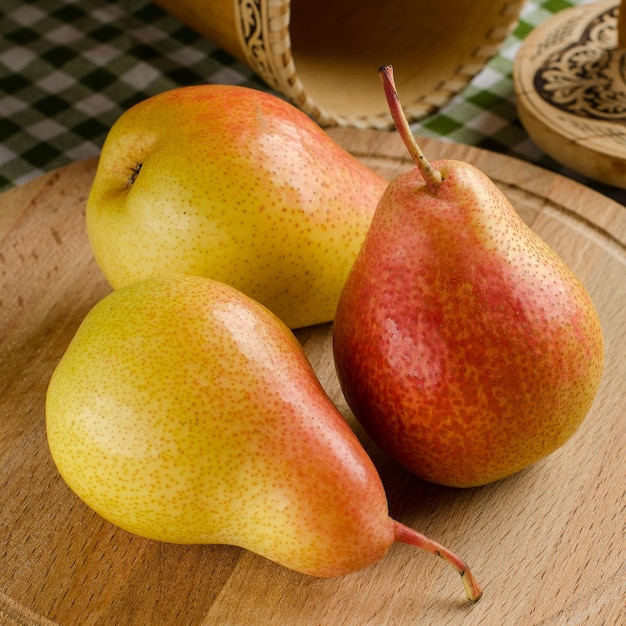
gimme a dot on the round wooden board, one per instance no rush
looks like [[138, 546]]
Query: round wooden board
[[547, 544], [570, 89]]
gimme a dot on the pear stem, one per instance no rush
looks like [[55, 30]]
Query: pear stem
[[412, 537], [432, 177]]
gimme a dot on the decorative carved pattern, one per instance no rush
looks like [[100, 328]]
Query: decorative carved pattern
[[254, 28], [588, 78]]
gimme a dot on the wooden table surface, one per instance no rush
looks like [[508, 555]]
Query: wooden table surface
[[548, 544]]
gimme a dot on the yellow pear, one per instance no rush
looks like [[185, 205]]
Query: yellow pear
[[186, 412], [232, 184]]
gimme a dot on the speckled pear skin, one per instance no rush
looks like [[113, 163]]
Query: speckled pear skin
[[233, 184], [184, 411], [464, 345]]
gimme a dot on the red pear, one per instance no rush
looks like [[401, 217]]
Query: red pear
[[464, 345]]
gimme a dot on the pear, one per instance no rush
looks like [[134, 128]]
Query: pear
[[186, 412], [464, 345], [233, 184]]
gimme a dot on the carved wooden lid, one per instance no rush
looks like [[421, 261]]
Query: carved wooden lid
[[570, 84]]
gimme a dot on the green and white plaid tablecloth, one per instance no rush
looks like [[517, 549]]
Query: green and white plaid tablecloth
[[69, 68]]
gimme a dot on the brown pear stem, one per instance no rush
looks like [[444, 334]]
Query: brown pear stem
[[432, 177], [412, 537]]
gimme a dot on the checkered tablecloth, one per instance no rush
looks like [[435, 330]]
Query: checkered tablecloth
[[69, 68]]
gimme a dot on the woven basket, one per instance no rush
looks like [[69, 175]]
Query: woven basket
[[323, 55]]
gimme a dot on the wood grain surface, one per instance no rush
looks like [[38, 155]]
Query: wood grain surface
[[548, 544]]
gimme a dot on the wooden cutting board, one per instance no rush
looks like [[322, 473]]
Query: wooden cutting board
[[547, 544]]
